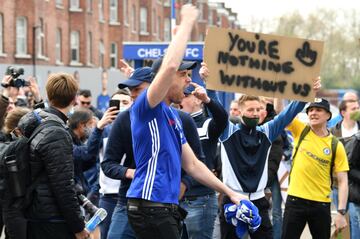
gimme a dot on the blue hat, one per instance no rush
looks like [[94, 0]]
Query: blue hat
[[140, 75], [185, 65]]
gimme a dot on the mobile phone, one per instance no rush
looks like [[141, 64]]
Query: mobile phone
[[114, 103]]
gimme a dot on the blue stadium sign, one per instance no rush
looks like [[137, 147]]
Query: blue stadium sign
[[152, 50]]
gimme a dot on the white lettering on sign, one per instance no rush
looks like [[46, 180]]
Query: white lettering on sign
[[193, 52], [157, 52]]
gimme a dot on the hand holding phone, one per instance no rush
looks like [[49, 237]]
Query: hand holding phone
[[114, 103]]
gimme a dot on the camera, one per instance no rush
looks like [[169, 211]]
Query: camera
[[15, 80]]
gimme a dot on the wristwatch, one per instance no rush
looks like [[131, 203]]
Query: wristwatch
[[342, 211]]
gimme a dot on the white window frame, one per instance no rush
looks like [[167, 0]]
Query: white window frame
[[167, 29], [59, 3], [158, 26], [89, 47], [167, 3], [101, 54], [75, 45], [126, 12], [210, 17], [133, 19], [113, 8], [143, 21], [153, 23], [89, 6], [40, 39], [75, 6], [58, 49], [101, 10], [201, 11], [21, 36], [113, 55]]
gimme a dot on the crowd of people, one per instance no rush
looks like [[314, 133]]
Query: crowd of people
[[168, 159]]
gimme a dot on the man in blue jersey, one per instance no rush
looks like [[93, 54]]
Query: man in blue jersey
[[159, 145]]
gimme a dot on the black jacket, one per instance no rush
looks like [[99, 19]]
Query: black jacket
[[51, 157], [352, 147]]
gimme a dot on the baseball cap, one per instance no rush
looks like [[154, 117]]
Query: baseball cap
[[140, 75], [185, 65], [320, 103]]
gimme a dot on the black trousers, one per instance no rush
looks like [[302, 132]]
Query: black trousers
[[155, 222], [300, 211], [47, 230], [265, 230]]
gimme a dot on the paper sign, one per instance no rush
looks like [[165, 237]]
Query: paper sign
[[262, 64]]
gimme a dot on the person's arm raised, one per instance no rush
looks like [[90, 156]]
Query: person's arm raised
[[173, 57]]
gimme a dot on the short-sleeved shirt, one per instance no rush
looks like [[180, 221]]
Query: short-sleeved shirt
[[310, 175], [157, 136]]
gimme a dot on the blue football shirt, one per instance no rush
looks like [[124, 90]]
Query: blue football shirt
[[157, 136]]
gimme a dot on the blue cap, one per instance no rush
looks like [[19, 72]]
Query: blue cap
[[140, 75], [185, 65]]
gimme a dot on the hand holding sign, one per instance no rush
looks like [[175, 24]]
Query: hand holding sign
[[306, 55], [204, 71]]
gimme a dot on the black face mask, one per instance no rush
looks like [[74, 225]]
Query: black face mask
[[250, 122]]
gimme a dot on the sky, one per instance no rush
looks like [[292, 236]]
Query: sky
[[269, 9]]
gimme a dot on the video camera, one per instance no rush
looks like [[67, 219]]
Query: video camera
[[15, 80]]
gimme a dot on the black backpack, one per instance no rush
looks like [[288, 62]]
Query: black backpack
[[17, 184]]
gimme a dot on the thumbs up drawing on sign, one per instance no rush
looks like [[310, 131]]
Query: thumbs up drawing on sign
[[306, 55]]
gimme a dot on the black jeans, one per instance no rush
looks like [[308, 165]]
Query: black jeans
[[300, 211], [265, 230], [47, 230], [155, 222]]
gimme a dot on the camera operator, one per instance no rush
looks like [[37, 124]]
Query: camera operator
[[12, 88]]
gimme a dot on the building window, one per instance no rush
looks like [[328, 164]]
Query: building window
[[143, 20], [101, 54], [167, 3], [167, 30], [74, 4], [113, 10], [133, 19], [1, 34], [75, 47], [21, 33], [40, 36], [153, 24], [158, 26], [59, 3], [113, 55], [201, 37], [201, 11], [126, 12], [89, 5], [101, 10], [58, 45], [210, 18], [89, 48]]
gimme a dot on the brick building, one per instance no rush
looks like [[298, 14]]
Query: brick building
[[44, 36]]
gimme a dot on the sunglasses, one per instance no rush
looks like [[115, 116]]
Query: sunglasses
[[85, 102]]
